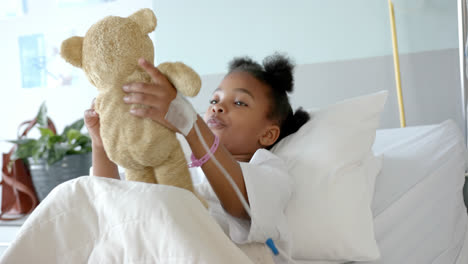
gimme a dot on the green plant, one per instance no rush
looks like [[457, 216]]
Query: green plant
[[52, 147]]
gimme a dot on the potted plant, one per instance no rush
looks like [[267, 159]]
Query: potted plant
[[54, 158]]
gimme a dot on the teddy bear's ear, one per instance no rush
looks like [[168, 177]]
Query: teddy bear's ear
[[146, 19], [71, 50]]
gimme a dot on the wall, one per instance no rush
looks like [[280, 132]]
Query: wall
[[342, 48], [431, 93], [206, 33]]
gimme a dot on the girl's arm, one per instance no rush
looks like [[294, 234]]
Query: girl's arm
[[221, 186], [102, 165]]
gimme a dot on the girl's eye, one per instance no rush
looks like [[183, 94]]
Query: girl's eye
[[240, 103], [213, 101]]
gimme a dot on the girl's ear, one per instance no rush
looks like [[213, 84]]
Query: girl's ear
[[270, 136]]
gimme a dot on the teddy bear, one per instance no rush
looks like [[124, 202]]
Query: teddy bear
[[108, 54]]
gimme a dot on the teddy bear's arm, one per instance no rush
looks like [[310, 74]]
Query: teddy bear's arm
[[184, 78]]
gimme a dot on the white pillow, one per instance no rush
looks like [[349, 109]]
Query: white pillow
[[334, 169]]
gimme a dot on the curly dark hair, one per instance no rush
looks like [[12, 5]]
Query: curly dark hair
[[277, 73]]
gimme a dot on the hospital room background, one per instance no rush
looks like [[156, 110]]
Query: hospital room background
[[346, 44], [342, 49]]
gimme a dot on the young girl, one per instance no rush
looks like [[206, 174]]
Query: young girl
[[249, 112]]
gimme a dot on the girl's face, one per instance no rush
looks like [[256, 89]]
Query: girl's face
[[238, 114]]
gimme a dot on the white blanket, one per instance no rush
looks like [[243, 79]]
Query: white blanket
[[99, 220]]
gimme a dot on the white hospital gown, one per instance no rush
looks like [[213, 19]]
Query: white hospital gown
[[269, 189]]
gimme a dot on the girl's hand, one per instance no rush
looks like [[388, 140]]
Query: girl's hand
[[92, 122], [157, 95]]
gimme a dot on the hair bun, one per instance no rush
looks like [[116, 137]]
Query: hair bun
[[243, 63], [279, 71]]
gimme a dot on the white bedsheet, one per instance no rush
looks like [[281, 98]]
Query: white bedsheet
[[419, 213], [95, 220]]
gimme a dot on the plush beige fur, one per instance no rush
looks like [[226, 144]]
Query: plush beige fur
[[109, 54]]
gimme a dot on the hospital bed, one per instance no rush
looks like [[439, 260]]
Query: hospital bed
[[418, 208]]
